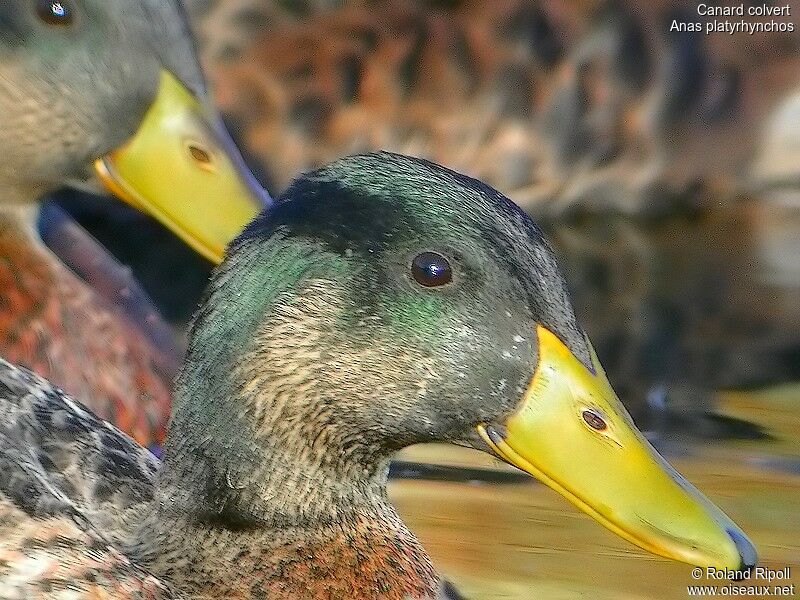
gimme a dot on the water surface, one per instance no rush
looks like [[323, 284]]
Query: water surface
[[524, 541]]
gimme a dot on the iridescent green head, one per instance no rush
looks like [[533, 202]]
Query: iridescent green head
[[386, 301], [422, 287]]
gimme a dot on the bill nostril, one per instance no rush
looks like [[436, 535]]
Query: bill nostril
[[593, 420], [747, 551]]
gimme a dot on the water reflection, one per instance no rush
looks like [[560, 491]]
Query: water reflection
[[702, 300], [524, 541]]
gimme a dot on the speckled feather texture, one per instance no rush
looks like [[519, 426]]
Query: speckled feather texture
[[71, 487], [68, 481]]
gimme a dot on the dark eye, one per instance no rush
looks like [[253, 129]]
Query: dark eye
[[54, 12], [594, 420], [431, 269]]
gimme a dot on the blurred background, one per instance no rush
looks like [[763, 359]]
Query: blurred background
[[664, 165]]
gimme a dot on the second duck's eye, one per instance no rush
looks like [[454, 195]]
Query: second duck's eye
[[55, 12], [431, 269]]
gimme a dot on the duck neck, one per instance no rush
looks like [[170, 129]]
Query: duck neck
[[278, 483], [29, 283], [280, 519]]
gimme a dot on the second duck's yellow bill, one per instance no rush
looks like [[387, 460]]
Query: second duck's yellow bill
[[182, 168], [572, 432]]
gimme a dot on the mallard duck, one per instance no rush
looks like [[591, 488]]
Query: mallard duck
[[383, 301], [111, 88]]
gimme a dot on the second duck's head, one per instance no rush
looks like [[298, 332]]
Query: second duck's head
[[112, 89], [386, 301]]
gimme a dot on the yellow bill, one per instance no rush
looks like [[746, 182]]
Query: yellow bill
[[182, 168], [572, 432]]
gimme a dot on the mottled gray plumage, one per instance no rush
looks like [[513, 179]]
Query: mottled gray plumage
[[68, 482], [65, 470], [58, 458]]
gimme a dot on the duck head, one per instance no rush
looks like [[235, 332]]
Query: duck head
[[112, 90], [385, 301]]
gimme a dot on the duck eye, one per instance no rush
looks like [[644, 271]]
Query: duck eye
[[54, 12], [431, 269], [594, 420]]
